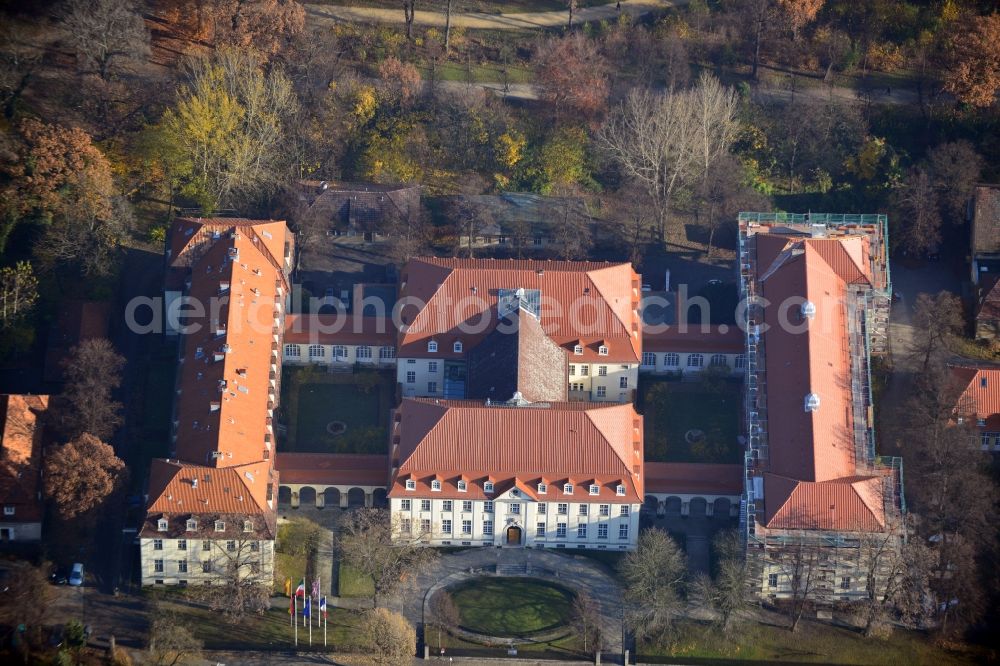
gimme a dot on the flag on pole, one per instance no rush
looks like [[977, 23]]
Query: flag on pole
[[288, 587], [305, 608], [291, 606], [322, 606], [300, 591], [315, 590]]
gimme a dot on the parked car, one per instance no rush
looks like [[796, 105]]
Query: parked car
[[59, 576], [76, 575]]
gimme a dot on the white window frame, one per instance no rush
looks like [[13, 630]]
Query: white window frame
[[602, 351], [648, 359], [488, 487], [578, 350], [363, 351], [457, 347], [317, 351], [220, 526], [595, 489], [462, 486], [671, 360], [293, 351], [162, 525], [432, 346], [567, 488], [411, 484], [436, 486], [696, 360]]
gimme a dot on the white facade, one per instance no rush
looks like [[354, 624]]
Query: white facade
[[421, 377], [516, 520], [199, 560], [602, 382], [347, 354], [691, 362], [11, 531]]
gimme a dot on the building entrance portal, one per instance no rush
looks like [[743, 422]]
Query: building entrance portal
[[513, 536]]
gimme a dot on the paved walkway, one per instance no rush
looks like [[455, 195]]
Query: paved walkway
[[477, 20], [578, 573]]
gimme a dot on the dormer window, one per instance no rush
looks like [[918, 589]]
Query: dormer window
[[619, 489], [461, 486], [457, 347], [162, 524], [488, 487], [594, 489], [192, 525], [247, 526], [435, 485], [432, 346], [542, 488], [602, 351], [568, 488], [220, 526], [578, 350], [411, 484]]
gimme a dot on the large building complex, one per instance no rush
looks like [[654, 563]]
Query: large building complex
[[818, 290], [211, 507]]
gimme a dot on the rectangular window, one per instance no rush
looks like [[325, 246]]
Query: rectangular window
[[584, 370], [254, 546], [488, 527], [405, 526], [515, 508], [182, 544], [625, 509], [446, 505], [541, 509], [584, 509], [182, 566], [411, 377], [648, 359], [772, 580], [432, 387], [561, 530], [845, 583], [581, 531], [602, 391], [602, 371], [488, 506], [231, 546], [605, 510], [466, 527], [206, 566], [466, 506], [9, 510], [425, 526], [405, 505], [572, 370], [157, 544], [562, 509], [446, 526], [623, 382], [206, 545], [157, 566], [602, 531], [432, 366], [425, 505], [623, 531]]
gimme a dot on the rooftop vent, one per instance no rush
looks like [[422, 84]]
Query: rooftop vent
[[808, 310], [811, 402]]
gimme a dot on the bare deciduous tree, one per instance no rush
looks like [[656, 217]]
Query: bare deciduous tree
[[245, 585], [92, 372], [936, 320], [918, 217], [391, 639], [729, 593], [170, 641], [18, 292], [587, 622], [446, 616], [106, 34], [654, 575], [382, 549]]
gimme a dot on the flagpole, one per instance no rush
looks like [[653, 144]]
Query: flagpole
[[295, 601], [319, 593], [310, 626], [326, 612]]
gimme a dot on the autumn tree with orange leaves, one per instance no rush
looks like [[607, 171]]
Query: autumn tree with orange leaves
[[81, 474], [264, 25], [573, 76], [972, 65], [800, 13]]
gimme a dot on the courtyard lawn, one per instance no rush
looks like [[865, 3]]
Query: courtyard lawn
[[673, 409], [812, 642], [359, 403], [353, 583], [511, 606]]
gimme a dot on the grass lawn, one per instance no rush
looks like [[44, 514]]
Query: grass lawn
[[511, 606], [353, 583], [813, 642], [672, 408], [454, 71], [361, 401], [344, 628], [483, 6]]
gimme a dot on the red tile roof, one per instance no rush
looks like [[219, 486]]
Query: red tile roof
[[20, 455], [693, 478], [343, 469], [980, 393], [578, 443], [694, 339], [849, 504], [587, 303], [333, 329]]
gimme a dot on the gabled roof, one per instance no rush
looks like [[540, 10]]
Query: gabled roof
[[986, 220], [191, 237], [989, 304], [180, 488], [589, 301], [850, 504], [980, 392], [347, 469], [230, 362], [694, 478], [813, 445], [581, 441], [20, 455]]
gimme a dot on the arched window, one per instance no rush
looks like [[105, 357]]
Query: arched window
[[387, 352], [293, 351], [432, 346], [741, 361], [457, 347], [364, 351], [695, 360], [718, 360], [672, 360], [316, 351], [648, 359], [340, 352]]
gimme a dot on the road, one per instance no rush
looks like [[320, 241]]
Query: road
[[480, 21]]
